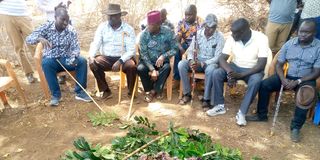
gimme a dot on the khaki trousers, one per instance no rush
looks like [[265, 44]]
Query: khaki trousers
[[277, 35], [18, 28]]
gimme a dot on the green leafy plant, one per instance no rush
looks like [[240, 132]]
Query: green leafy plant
[[104, 119], [181, 143]]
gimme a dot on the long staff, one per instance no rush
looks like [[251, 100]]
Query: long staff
[[285, 70], [80, 86]]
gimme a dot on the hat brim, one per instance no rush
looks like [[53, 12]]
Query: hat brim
[[123, 13], [309, 105]]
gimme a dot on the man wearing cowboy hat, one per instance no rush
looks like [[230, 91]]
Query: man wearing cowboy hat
[[116, 42], [303, 56]]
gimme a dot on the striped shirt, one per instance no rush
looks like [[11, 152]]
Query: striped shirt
[[311, 9], [14, 8], [209, 49], [109, 41]]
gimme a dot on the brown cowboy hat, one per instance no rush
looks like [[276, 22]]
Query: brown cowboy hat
[[114, 9], [306, 97]]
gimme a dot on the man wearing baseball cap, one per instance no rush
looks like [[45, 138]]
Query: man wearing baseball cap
[[116, 42], [202, 56], [157, 45]]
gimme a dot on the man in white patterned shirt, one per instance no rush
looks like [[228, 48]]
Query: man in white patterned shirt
[[116, 42], [210, 43]]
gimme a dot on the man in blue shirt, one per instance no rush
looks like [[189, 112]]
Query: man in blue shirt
[[60, 43], [280, 21], [303, 56], [157, 45]]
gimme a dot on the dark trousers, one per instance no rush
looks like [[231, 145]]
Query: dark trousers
[[177, 59], [105, 63], [148, 84], [273, 84]]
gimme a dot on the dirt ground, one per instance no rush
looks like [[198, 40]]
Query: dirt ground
[[40, 132]]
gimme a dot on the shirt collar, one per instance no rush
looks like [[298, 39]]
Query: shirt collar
[[118, 29], [213, 36], [312, 44], [53, 27]]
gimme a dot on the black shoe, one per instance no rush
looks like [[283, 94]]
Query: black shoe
[[295, 135], [256, 118]]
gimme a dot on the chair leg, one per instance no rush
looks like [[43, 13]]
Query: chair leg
[[123, 78], [3, 98], [224, 89], [310, 114]]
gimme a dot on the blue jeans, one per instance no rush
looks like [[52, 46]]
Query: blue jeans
[[177, 59], [273, 84], [51, 67], [184, 70], [253, 81]]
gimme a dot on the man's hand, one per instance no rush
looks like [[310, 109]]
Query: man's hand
[[154, 75], [285, 82], [291, 85], [193, 65], [231, 82], [116, 66], [235, 75], [159, 62], [92, 64], [45, 43]]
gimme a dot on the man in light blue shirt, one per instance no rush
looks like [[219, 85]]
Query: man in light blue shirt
[[280, 21], [210, 43], [116, 42]]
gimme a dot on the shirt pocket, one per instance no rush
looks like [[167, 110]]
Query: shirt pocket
[[309, 58]]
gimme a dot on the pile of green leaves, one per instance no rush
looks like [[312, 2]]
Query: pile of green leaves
[[101, 118], [181, 143]]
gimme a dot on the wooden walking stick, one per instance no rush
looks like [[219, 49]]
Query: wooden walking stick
[[132, 97], [285, 70], [120, 83], [80, 86]]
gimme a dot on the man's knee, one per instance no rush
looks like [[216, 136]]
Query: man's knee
[[255, 80], [218, 73], [183, 64], [82, 61], [141, 69], [48, 62]]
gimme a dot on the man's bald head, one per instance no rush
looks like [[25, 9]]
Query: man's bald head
[[190, 13], [240, 28], [61, 18], [307, 31]]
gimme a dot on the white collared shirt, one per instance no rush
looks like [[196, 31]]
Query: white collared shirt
[[109, 41], [246, 56]]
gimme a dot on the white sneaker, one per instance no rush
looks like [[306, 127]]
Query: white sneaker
[[216, 110], [241, 119]]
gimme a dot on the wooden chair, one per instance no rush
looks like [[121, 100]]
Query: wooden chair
[[9, 81], [38, 63], [232, 91], [272, 70]]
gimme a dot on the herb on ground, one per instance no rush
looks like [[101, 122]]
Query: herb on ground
[[103, 119]]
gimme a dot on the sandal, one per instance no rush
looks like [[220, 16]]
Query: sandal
[[148, 97], [185, 99]]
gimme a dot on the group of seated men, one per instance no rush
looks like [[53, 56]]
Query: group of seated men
[[113, 48]]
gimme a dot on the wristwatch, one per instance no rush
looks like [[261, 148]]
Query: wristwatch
[[299, 81]]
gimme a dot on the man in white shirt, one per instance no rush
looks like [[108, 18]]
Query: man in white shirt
[[249, 50], [15, 17], [116, 42]]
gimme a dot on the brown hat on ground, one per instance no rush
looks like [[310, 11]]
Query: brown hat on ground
[[114, 9], [306, 97]]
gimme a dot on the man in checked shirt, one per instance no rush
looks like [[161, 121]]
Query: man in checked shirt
[[60, 43]]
